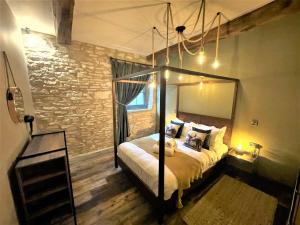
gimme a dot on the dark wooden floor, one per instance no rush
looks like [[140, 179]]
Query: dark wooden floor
[[104, 195]]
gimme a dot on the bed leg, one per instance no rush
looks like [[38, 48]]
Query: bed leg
[[116, 155], [161, 213], [116, 163], [160, 218]]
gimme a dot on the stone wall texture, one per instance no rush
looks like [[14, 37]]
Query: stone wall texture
[[72, 90]]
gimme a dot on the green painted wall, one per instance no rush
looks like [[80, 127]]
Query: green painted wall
[[266, 59]]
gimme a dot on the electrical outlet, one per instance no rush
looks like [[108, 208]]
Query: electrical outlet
[[254, 122]]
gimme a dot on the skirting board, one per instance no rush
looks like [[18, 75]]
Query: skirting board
[[90, 153]]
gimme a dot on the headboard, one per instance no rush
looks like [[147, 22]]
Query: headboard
[[209, 121]]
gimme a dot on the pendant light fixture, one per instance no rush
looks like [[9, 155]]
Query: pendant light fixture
[[183, 38], [201, 84], [216, 62], [202, 52]]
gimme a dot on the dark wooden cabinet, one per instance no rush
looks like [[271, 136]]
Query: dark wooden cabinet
[[44, 182], [244, 162]]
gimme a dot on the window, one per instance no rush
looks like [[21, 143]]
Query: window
[[141, 101]]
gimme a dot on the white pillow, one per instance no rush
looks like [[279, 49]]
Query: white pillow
[[177, 120], [217, 136], [186, 128], [204, 127]]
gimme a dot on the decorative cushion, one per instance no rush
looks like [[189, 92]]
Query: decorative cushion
[[217, 136], [172, 130], [186, 128], [181, 124], [207, 138], [195, 140]]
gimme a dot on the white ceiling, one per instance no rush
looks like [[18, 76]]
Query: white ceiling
[[124, 24]]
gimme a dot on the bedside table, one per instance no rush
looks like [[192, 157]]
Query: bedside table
[[245, 161]]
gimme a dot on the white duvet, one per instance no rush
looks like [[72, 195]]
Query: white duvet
[[145, 165]]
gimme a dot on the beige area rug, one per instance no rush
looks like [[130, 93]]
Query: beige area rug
[[231, 202]]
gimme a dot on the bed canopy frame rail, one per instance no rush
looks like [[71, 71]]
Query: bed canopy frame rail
[[162, 84]]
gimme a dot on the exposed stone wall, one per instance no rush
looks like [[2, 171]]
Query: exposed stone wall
[[142, 123], [71, 90]]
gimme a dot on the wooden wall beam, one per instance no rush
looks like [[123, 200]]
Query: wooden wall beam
[[63, 14], [267, 13]]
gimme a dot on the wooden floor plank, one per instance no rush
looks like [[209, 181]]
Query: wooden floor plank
[[105, 196]]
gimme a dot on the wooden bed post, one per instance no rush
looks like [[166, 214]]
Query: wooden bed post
[[114, 123], [161, 173]]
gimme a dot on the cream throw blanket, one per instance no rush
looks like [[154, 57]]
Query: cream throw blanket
[[184, 167]]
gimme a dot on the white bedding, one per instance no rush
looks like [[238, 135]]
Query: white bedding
[[145, 165]]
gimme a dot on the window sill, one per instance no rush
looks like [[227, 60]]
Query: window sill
[[139, 110]]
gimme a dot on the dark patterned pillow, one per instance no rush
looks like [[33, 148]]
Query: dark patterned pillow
[[172, 130], [195, 140], [207, 138], [178, 134]]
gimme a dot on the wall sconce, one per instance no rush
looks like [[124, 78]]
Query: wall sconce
[[28, 119], [255, 148]]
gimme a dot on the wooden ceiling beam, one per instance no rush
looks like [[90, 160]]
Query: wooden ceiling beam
[[63, 14], [269, 12]]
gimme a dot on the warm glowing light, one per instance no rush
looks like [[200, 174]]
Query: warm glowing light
[[239, 147], [167, 74], [34, 41], [216, 64], [180, 77], [201, 85], [201, 57], [153, 84]]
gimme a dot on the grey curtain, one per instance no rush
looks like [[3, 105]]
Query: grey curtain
[[126, 92]]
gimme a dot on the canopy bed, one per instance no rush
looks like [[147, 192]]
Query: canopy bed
[[157, 175]]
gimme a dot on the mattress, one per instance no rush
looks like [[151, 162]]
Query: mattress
[[145, 165]]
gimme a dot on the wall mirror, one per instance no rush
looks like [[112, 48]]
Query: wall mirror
[[14, 97], [15, 104], [202, 95]]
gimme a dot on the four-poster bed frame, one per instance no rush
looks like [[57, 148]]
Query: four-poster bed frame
[[159, 201]]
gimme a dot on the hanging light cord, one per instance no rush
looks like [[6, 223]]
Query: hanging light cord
[[218, 36], [164, 37], [203, 22], [183, 38], [198, 17], [153, 52], [190, 16], [167, 41], [210, 25], [185, 47], [180, 53], [218, 15]]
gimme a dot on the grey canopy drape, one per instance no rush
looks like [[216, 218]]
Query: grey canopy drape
[[126, 92]]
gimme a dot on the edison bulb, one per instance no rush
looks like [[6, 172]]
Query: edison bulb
[[240, 147], [180, 77], [216, 64], [201, 57], [201, 85], [167, 74], [153, 84]]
